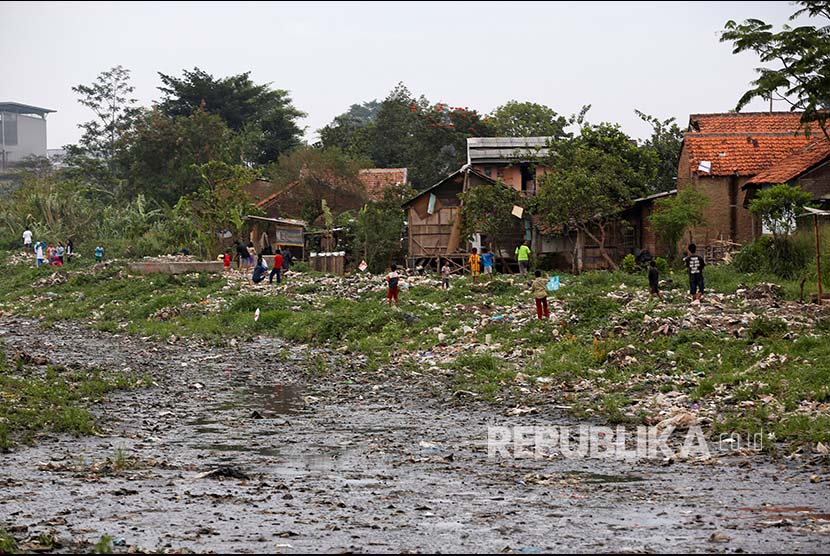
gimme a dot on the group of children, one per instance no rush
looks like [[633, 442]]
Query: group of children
[[282, 262], [55, 255], [539, 286]]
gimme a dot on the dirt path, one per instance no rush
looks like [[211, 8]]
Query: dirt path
[[345, 470]]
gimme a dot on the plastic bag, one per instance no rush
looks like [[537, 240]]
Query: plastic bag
[[553, 284]]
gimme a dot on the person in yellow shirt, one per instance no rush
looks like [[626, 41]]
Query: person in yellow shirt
[[475, 265]]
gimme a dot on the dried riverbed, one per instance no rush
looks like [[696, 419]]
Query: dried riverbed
[[327, 458]]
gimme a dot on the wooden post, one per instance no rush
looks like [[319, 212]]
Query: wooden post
[[818, 257]]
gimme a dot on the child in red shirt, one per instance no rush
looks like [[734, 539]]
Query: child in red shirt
[[226, 260]]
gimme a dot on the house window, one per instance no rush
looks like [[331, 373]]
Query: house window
[[488, 171], [500, 173]]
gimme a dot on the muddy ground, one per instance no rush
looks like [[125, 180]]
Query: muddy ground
[[357, 462]]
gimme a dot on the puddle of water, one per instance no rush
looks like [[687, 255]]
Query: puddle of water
[[281, 399]]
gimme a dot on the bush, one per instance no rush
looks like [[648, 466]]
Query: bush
[[629, 264], [662, 265], [786, 258]]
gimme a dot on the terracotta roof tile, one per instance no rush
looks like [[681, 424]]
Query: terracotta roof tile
[[742, 143], [377, 180], [746, 122], [796, 164]]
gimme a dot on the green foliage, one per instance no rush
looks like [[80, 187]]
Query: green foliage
[[528, 119], [674, 215], [163, 148], [763, 327], [800, 60], [108, 98], [629, 264], [486, 209], [220, 204], [662, 265], [264, 116], [777, 207], [666, 139], [378, 231], [8, 544], [103, 546], [407, 132], [789, 257], [53, 402], [590, 178]]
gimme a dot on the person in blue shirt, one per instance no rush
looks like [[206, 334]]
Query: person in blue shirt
[[488, 262], [99, 253], [260, 270]]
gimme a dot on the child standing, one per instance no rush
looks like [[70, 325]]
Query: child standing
[[99, 253], [540, 294], [392, 281], [487, 262], [475, 264], [226, 260], [445, 275], [654, 280], [695, 265]]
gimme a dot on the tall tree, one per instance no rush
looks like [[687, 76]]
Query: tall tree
[[264, 115], [428, 139], [109, 98], [487, 209], [590, 178], [801, 58], [345, 131], [162, 150], [666, 140], [528, 119]]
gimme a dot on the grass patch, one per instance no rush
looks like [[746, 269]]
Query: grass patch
[[56, 400]]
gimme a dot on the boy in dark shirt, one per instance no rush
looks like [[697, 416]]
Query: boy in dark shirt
[[695, 264], [654, 281]]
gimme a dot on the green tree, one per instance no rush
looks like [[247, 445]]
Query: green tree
[[378, 229], [487, 209], [672, 216], [800, 74], [777, 207], [403, 131], [265, 116], [162, 150], [347, 131], [666, 141], [219, 205], [590, 178], [528, 119], [109, 98]]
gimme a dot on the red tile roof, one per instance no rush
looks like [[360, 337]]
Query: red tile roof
[[377, 180], [742, 143], [746, 122], [813, 154]]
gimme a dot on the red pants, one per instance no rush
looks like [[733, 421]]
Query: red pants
[[542, 307], [392, 294]]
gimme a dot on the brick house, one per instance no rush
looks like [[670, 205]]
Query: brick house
[[721, 154], [808, 168]]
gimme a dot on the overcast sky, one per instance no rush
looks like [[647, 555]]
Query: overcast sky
[[662, 58]]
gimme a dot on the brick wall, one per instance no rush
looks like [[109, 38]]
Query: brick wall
[[722, 191]]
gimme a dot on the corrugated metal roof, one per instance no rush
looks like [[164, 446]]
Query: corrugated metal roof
[[506, 148], [17, 108], [289, 221]]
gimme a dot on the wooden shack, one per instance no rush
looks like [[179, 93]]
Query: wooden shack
[[434, 222], [270, 233]]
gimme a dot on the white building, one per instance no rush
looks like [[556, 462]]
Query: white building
[[22, 132]]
